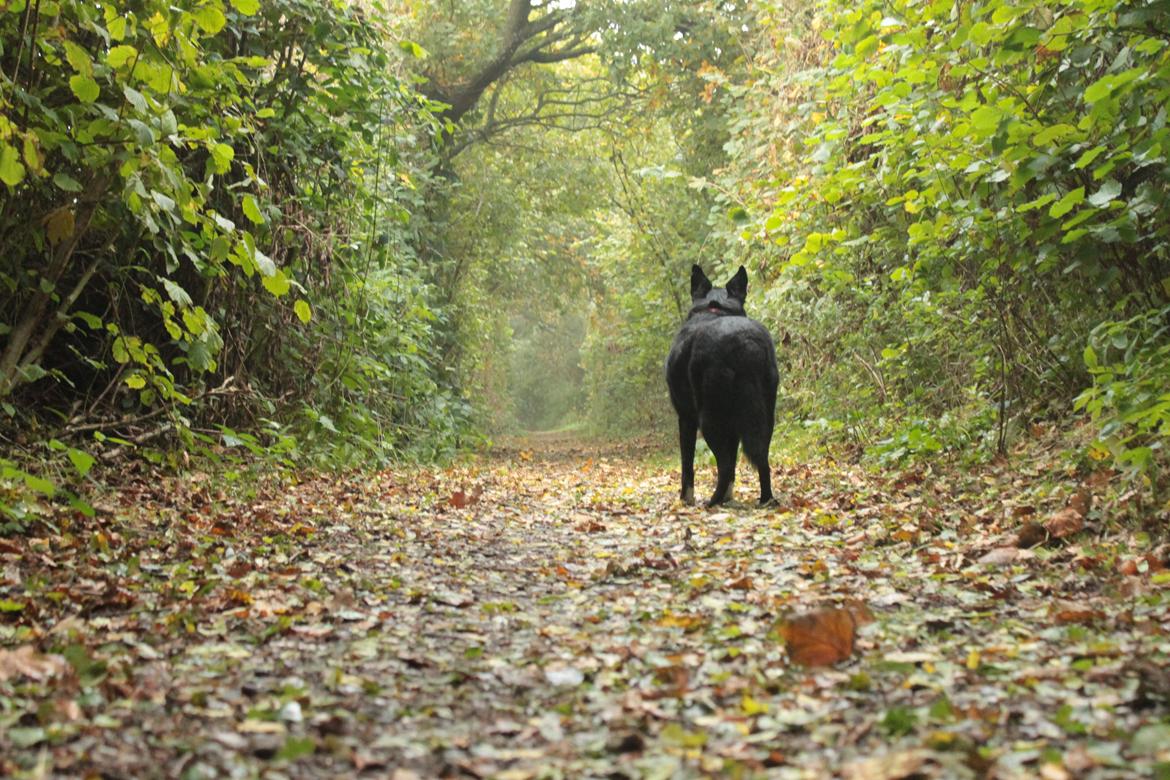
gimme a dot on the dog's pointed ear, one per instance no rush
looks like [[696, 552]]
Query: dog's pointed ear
[[700, 284], [737, 287]]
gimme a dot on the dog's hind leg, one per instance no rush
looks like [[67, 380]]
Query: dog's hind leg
[[687, 431], [725, 444], [755, 446]]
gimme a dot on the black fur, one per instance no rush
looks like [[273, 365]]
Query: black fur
[[722, 376]]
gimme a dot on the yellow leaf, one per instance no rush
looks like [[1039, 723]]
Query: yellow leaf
[[753, 707], [60, 225]]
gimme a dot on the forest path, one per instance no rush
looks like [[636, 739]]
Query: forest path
[[552, 611]]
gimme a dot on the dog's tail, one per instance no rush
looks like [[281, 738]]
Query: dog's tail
[[755, 422]]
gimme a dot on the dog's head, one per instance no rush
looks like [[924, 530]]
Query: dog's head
[[718, 300]]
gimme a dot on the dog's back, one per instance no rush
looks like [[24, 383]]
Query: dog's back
[[722, 377]]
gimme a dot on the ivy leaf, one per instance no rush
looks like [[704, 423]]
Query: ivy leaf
[[11, 168], [246, 7], [1067, 203], [85, 88], [303, 312]]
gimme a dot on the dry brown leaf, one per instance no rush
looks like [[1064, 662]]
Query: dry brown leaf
[[743, 583], [1081, 502], [1001, 556], [892, 766], [1143, 564], [1064, 523], [462, 498], [25, 661], [823, 637], [1030, 535], [1065, 612]]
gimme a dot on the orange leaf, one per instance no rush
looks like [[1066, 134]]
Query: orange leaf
[[1065, 612], [823, 637]]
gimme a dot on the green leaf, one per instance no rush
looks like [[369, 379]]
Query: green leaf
[[303, 312], [40, 485], [66, 182], [85, 88], [252, 210], [1050, 134], [11, 168], [81, 460], [1090, 357], [1099, 89], [1109, 191], [1087, 158], [120, 55], [210, 19], [246, 7], [296, 747], [26, 736], [78, 58], [135, 98], [985, 119], [413, 49], [222, 156], [1151, 739], [981, 33], [117, 28], [10, 606], [263, 262], [1067, 203], [277, 284], [164, 202]]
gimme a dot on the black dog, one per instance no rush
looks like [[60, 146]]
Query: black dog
[[722, 375]]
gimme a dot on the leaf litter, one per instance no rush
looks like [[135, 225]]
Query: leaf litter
[[553, 611]]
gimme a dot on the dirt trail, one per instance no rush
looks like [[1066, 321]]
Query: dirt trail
[[553, 612]]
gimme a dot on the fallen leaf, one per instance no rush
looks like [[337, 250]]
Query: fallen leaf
[[1065, 612], [25, 661], [1064, 523], [892, 766], [1001, 556], [1030, 535], [565, 676], [822, 637]]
